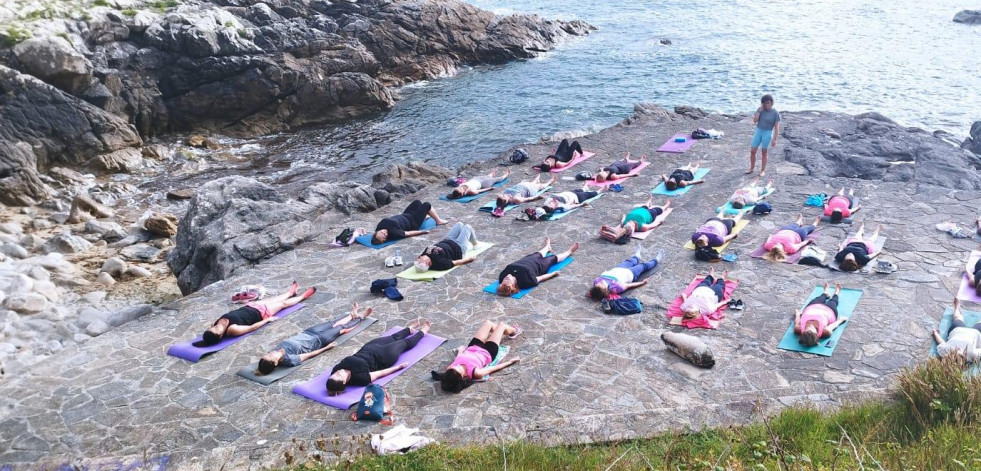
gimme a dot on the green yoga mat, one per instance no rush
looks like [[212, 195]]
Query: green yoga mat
[[279, 373], [970, 318], [412, 274], [749, 207], [847, 300]]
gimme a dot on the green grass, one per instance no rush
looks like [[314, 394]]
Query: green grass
[[13, 36], [129, 12], [932, 423]]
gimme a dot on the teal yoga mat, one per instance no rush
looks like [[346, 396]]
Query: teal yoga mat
[[365, 240], [467, 199], [489, 207], [847, 301], [557, 216], [492, 288], [970, 318], [661, 190], [749, 207]]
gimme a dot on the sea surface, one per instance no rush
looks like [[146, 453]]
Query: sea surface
[[905, 59]]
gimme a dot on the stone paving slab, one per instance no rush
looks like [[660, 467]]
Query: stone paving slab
[[584, 376]]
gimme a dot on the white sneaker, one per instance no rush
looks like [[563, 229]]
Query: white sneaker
[[398, 258], [390, 262]]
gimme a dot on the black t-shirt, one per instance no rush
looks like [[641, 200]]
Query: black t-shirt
[[443, 254], [858, 249], [243, 316], [680, 175], [396, 226], [528, 269], [360, 368]]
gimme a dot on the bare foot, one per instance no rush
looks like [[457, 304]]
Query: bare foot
[[414, 325], [426, 325], [749, 171], [574, 248], [367, 312], [762, 172], [292, 291], [309, 292]]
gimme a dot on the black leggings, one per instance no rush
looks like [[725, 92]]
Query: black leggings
[[717, 285], [491, 347], [831, 302], [417, 211], [729, 223], [387, 349], [585, 195], [564, 152]]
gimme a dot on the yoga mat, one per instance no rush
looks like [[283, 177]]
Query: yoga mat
[[573, 162], [365, 240], [641, 235], [966, 291], [316, 388], [879, 243], [469, 198], [791, 258], [412, 274], [660, 189], [622, 178], [492, 288], [249, 372], [189, 352], [502, 351], [560, 215], [677, 147], [735, 230], [728, 209], [970, 318], [847, 300], [711, 321], [489, 207]]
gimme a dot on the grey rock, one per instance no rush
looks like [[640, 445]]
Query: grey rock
[[180, 194], [89, 315], [114, 266], [140, 253], [94, 297], [107, 230], [48, 290], [13, 250], [970, 17], [690, 112], [19, 284], [138, 272], [39, 273], [31, 241], [345, 197], [54, 60], [11, 228], [689, 347], [973, 143], [404, 179], [105, 280], [59, 218], [129, 314], [41, 224], [26, 303], [97, 328], [66, 243], [84, 207]]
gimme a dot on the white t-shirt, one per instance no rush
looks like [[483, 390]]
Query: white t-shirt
[[967, 340], [704, 299]]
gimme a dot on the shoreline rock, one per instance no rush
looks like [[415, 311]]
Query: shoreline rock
[[970, 17]]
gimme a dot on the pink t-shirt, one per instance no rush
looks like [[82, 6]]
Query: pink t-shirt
[[472, 358], [785, 238], [838, 202], [820, 313]]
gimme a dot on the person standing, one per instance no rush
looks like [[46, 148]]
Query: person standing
[[767, 122]]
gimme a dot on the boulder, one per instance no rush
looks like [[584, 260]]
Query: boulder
[[97, 328], [689, 347], [404, 179], [346, 197], [105, 280], [11, 228], [54, 60], [140, 253], [138, 272], [31, 241], [94, 297], [230, 223], [107, 231], [114, 266], [48, 290], [26, 303], [161, 224], [129, 314], [13, 250], [973, 143], [19, 284], [180, 194], [690, 112], [970, 17], [66, 243]]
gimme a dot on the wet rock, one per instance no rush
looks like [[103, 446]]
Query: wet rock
[[26, 303], [689, 347], [11, 228], [345, 197], [129, 314], [161, 224], [66, 243], [973, 143], [114, 266], [404, 179], [13, 250], [83, 207], [105, 280], [138, 272], [182, 194], [970, 17], [122, 160], [140, 253], [200, 141]]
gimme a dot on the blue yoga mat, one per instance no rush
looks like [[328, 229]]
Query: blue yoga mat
[[492, 288], [560, 215], [661, 190], [970, 318], [489, 207], [847, 301], [467, 199], [749, 207], [365, 240]]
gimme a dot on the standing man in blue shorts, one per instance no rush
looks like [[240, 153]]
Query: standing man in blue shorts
[[767, 122]]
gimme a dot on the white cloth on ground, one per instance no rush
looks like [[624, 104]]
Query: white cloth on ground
[[400, 439]]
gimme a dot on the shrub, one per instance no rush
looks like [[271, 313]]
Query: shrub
[[938, 392], [129, 12]]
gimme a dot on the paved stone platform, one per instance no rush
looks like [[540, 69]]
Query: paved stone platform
[[584, 376]]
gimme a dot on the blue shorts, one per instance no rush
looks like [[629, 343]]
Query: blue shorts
[[761, 138]]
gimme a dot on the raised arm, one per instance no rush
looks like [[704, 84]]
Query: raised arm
[[481, 372], [387, 371]]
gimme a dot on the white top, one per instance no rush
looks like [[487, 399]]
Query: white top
[[967, 340], [622, 275], [704, 299]]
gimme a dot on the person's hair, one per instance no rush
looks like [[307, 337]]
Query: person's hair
[[766, 99], [266, 366], [977, 288], [455, 194], [544, 167], [548, 209], [502, 202], [670, 184], [701, 242], [506, 290], [374, 238], [335, 386], [737, 204], [597, 293], [848, 264], [210, 338], [808, 338], [691, 314], [600, 177], [452, 381], [776, 254], [836, 215]]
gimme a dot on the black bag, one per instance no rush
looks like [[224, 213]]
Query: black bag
[[582, 176], [519, 156], [344, 238], [700, 134]]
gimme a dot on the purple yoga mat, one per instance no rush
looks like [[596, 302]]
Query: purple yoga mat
[[189, 352], [792, 258], [677, 147], [966, 291], [316, 388]]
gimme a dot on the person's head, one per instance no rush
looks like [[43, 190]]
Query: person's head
[[549, 209], [453, 380], [738, 202], [849, 263], [601, 176], [809, 336], [599, 291], [776, 254], [977, 287], [379, 237], [508, 286], [767, 102], [836, 215], [457, 193], [337, 381], [215, 333], [551, 203], [503, 201], [423, 263], [269, 362], [547, 164], [671, 184], [691, 312], [702, 241]]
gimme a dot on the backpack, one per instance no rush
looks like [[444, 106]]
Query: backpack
[[583, 176], [519, 156], [626, 306], [700, 134], [762, 208], [376, 405], [813, 256], [344, 238]]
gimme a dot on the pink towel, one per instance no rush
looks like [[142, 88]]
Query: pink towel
[[635, 171], [709, 321], [573, 162]]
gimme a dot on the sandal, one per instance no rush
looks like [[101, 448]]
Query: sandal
[[885, 267], [736, 304], [517, 331]]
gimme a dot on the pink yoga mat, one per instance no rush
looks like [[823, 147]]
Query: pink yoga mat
[[635, 171], [705, 321], [677, 147], [792, 258], [316, 388], [573, 162], [966, 291]]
